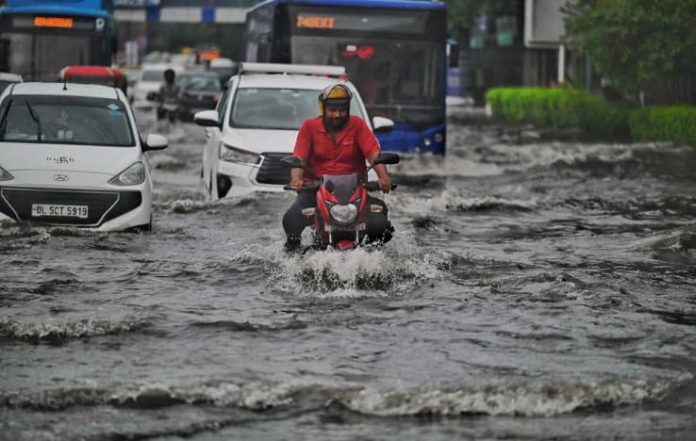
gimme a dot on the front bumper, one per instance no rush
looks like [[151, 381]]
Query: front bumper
[[107, 209]]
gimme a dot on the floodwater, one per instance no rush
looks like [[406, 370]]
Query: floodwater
[[536, 289]]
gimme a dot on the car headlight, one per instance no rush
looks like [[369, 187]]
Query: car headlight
[[133, 175], [344, 214], [5, 175], [233, 154]]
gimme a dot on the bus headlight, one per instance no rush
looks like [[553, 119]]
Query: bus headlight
[[439, 138], [233, 154], [344, 214]]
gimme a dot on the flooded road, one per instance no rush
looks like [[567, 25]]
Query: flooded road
[[535, 289]]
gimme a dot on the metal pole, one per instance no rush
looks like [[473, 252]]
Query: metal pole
[[561, 64]]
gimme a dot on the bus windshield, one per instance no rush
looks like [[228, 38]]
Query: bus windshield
[[396, 58], [390, 75], [39, 56]]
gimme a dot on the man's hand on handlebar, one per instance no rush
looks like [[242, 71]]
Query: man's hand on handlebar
[[385, 184], [296, 183]]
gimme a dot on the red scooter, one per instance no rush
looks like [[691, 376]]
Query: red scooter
[[342, 203]]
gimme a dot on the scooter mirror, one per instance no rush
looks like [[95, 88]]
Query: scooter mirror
[[387, 158], [292, 162]]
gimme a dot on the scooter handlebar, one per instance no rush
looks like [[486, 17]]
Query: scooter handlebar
[[374, 186], [310, 186]]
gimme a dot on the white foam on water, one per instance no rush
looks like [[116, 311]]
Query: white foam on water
[[363, 272], [524, 400], [429, 165], [546, 399], [10, 328], [520, 157], [449, 200]]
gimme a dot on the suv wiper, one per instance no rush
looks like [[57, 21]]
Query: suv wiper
[[3, 120], [36, 120]]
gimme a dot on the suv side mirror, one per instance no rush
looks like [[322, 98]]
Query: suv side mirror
[[382, 124], [207, 118]]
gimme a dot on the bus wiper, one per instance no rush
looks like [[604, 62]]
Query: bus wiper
[[36, 120], [3, 121]]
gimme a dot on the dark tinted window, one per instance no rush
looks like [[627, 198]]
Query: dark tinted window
[[65, 120]]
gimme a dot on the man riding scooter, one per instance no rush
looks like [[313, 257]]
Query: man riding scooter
[[335, 143]]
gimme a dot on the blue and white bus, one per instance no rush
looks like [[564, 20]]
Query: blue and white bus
[[40, 37], [394, 51]]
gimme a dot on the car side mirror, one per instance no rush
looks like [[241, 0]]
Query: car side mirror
[[207, 118], [155, 142], [382, 124]]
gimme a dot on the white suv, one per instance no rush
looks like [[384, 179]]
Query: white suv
[[256, 123]]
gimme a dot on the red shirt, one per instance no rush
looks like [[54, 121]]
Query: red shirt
[[317, 149]]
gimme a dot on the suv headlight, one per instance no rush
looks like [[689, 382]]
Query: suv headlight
[[233, 154], [133, 175], [5, 175], [344, 214]]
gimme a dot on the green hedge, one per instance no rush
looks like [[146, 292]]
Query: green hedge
[[559, 108], [673, 123]]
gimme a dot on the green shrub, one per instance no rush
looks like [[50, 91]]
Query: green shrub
[[559, 108], [669, 123]]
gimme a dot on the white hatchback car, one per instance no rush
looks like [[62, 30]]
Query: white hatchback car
[[256, 123], [70, 154]]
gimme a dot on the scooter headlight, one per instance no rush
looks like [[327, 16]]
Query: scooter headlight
[[344, 214]]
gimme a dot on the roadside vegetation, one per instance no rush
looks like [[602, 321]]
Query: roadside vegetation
[[645, 50]]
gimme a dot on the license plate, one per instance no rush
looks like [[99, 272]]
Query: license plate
[[40, 210], [359, 227]]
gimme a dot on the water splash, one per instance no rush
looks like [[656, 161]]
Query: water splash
[[363, 272]]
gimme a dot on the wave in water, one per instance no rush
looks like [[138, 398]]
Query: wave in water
[[69, 330], [448, 201], [532, 399]]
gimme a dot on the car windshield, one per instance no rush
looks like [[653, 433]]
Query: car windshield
[[200, 83], [65, 120], [153, 76], [282, 109]]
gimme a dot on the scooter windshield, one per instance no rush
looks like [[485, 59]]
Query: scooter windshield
[[341, 186]]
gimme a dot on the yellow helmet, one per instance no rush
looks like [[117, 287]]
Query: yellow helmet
[[336, 94]]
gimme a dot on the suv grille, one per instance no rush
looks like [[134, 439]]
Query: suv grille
[[102, 205], [272, 171]]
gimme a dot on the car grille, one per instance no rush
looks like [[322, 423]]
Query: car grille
[[102, 205], [272, 171]]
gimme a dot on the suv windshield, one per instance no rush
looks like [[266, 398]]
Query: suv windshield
[[200, 83], [65, 120], [282, 109]]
